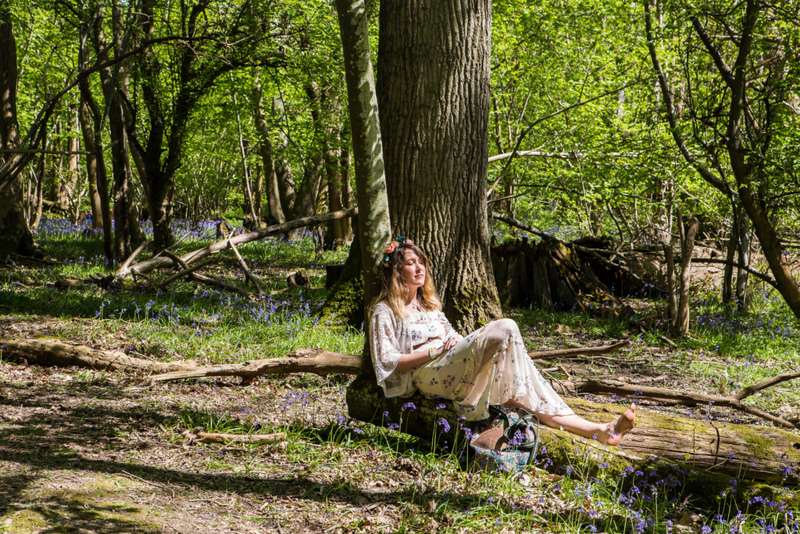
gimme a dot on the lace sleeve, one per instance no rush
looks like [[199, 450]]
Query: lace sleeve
[[384, 345], [449, 331]]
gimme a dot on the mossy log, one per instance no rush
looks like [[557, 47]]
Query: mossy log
[[762, 454]]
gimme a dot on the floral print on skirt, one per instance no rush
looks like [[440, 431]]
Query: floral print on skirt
[[489, 366]]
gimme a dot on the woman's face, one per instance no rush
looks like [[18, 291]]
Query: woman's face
[[413, 273]]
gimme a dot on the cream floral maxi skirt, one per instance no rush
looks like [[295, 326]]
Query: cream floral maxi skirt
[[489, 366]]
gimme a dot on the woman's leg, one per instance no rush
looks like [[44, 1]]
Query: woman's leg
[[608, 433]]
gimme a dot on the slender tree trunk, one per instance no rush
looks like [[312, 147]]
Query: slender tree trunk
[[743, 248], [92, 125], [94, 163], [745, 161], [114, 82], [283, 169], [38, 195], [244, 145], [730, 256], [308, 192], [334, 237], [93, 140], [70, 186], [672, 306], [258, 192], [62, 187], [681, 325], [374, 225], [276, 213], [434, 92]]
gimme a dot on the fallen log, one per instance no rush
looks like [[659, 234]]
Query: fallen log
[[52, 352], [756, 453], [324, 363], [158, 262], [316, 361], [578, 351], [691, 399]]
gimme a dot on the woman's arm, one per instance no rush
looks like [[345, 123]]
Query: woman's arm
[[420, 357]]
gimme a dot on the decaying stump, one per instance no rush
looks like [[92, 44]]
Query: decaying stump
[[548, 274]]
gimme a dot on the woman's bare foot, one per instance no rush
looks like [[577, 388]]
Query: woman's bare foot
[[621, 425]]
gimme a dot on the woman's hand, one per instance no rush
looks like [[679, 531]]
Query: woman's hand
[[444, 349]]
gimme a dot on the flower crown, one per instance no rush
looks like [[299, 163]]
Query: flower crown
[[387, 253]]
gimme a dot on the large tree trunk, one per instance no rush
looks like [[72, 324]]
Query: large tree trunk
[[433, 90], [15, 236]]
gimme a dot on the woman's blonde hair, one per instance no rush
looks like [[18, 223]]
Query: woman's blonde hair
[[394, 292]]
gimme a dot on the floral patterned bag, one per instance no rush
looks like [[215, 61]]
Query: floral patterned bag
[[509, 444]]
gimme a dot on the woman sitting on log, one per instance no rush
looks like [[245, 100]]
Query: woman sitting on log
[[414, 347]]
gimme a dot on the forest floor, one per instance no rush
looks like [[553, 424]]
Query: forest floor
[[84, 451], [99, 452]]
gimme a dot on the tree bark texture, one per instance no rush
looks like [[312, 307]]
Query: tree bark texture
[[374, 224], [434, 96]]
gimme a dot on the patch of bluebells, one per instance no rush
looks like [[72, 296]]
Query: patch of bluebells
[[729, 320]]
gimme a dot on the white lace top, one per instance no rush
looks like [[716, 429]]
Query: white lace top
[[391, 337]]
